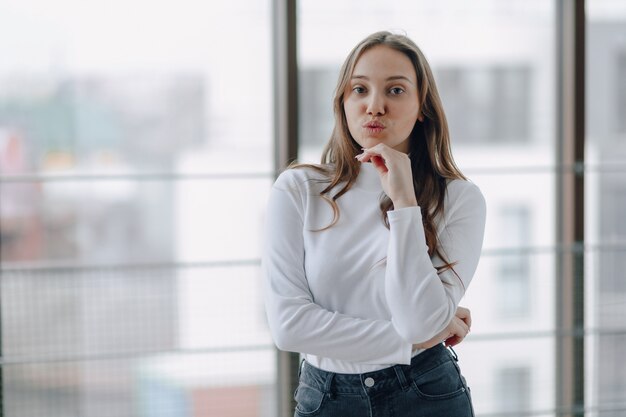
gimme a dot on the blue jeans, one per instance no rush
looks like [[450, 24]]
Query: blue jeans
[[431, 386]]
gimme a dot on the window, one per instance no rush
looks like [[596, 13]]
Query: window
[[134, 169], [317, 87], [497, 86], [513, 296], [486, 105], [605, 205], [620, 80], [131, 161], [512, 389]]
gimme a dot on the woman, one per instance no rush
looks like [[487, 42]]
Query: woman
[[368, 254]]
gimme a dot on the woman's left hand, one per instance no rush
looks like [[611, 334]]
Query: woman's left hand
[[454, 333], [465, 317], [394, 168]]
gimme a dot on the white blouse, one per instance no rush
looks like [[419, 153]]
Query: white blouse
[[332, 296]]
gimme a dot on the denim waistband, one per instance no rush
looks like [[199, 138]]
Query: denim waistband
[[369, 383]]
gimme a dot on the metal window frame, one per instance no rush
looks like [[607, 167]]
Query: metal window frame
[[570, 226], [285, 74]]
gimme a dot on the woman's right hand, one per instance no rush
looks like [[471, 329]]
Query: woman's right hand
[[454, 333]]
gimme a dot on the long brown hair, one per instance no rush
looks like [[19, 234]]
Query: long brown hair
[[431, 158]]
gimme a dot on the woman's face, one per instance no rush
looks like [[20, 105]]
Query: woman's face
[[380, 100]]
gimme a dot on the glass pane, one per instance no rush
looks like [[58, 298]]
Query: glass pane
[[184, 385], [220, 220], [221, 308], [126, 221], [605, 82], [606, 325], [65, 313], [607, 381], [520, 209], [496, 81], [605, 206], [512, 293], [497, 86], [517, 377], [77, 95], [606, 295], [135, 161]]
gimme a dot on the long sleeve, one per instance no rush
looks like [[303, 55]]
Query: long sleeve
[[296, 322], [422, 302]]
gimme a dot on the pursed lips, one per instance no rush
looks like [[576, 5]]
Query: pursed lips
[[374, 127]]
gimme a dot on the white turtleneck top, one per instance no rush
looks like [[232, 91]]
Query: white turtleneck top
[[332, 296]]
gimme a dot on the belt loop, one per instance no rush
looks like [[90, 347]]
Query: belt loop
[[300, 368], [328, 384], [401, 376], [454, 355]]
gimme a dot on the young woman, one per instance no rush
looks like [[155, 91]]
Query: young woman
[[368, 254]]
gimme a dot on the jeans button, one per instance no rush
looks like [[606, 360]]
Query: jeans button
[[369, 382]]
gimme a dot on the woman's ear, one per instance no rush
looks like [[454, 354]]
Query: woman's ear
[[420, 112]]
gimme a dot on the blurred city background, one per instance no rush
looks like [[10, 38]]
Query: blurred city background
[[136, 157]]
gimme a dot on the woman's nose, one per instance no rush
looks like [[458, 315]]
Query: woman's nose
[[376, 105]]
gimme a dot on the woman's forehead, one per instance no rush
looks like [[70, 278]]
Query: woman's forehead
[[383, 62]]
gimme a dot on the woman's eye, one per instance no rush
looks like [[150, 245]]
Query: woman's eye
[[358, 90], [396, 91]]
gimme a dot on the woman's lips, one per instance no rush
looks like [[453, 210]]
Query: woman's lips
[[374, 127]]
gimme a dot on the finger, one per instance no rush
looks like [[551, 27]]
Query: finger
[[465, 329], [453, 341], [363, 157], [468, 316], [385, 158], [376, 160], [460, 327], [459, 333], [450, 342], [388, 154], [465, 315], [379, 163], [462, 312], [368, 156]]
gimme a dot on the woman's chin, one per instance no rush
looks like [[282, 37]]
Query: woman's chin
[[371, 141]]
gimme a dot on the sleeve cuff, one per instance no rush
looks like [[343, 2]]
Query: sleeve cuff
[[405, 213]]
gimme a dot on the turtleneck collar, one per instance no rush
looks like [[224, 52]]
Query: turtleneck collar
[[368, 178]]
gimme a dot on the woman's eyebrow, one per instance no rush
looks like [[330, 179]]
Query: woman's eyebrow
[[393, 77]]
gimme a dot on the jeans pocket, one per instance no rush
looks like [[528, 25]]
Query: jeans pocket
[[440, 383], [308, 400]]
